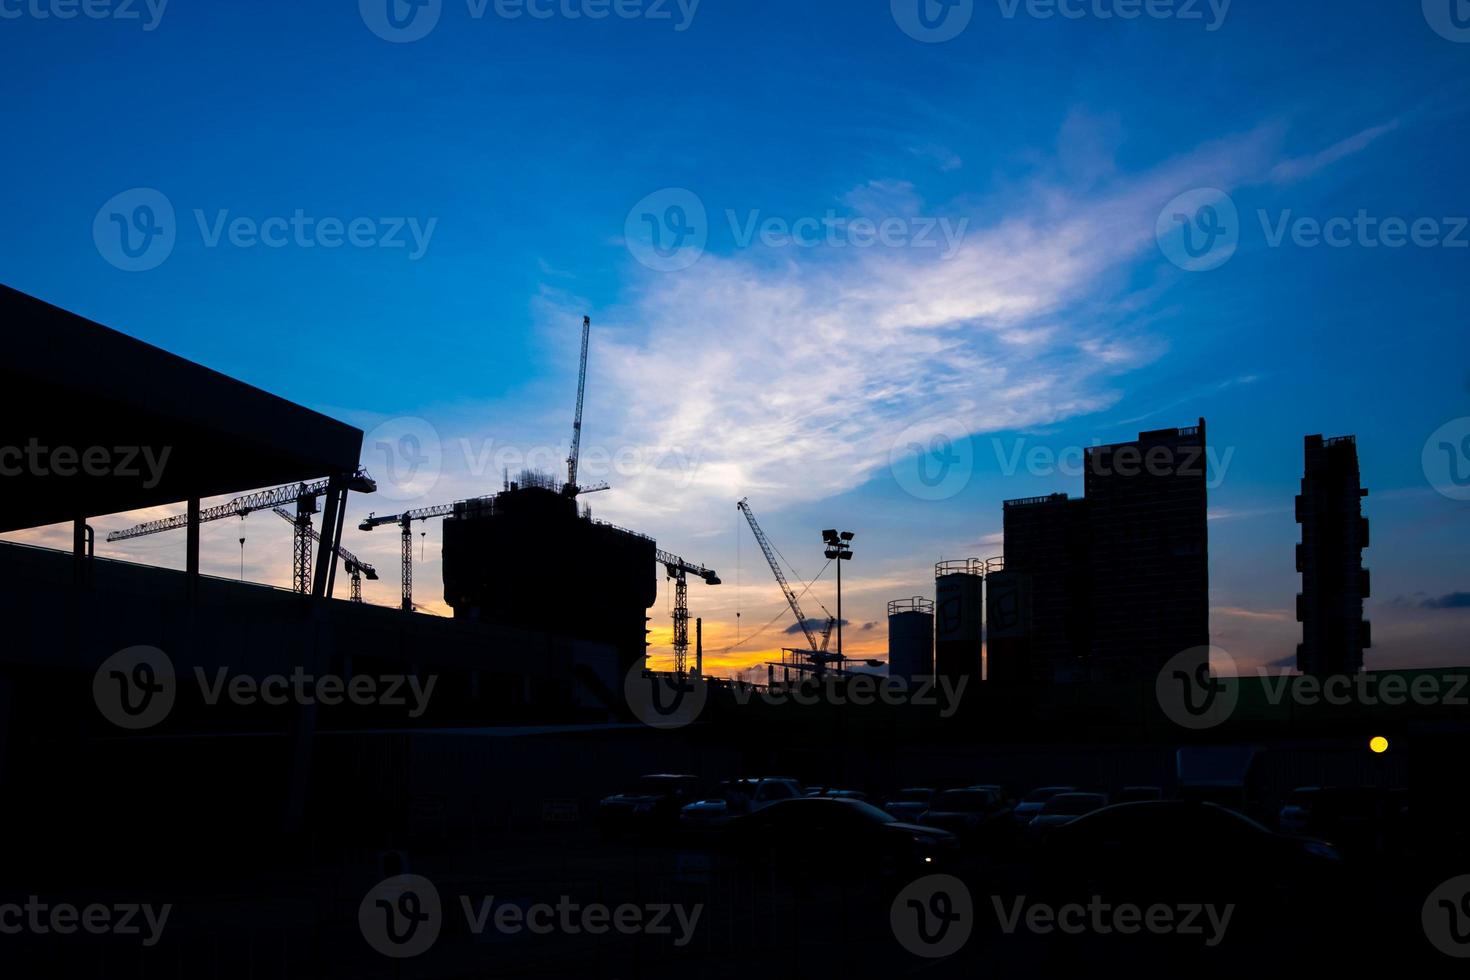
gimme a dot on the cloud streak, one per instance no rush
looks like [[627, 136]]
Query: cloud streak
[[791, 374]]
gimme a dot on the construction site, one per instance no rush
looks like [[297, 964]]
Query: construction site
[[332, 742]]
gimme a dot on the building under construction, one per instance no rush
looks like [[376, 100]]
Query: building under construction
[[527, 557]]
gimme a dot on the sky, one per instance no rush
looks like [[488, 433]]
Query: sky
[[876, 266]]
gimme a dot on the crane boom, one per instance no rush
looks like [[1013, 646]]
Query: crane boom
[[405, 523], [422, 514], [571, 489], [246, 505], [770, 553], [348, 558], [677, 565]]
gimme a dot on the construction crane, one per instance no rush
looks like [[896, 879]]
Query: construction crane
[[818, 657], [791, 599], [569, 489], [355, 566], [405, 523], [574, 457], [678, 569], [303, 495]]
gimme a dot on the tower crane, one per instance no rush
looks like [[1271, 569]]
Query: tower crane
[[303, 495], [574, 457], [405, 524], [570, 489], [355, 566], [678, 569], [818, 655]]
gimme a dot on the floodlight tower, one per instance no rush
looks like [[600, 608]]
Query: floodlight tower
[[839, 549]]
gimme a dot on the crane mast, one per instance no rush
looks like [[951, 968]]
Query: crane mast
[[571, 489], [770, 553]]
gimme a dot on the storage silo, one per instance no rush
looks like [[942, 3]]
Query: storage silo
[[959, 611], [911, 638]]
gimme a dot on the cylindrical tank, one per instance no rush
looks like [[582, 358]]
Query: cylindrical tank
[[911, 638], [959, 611]]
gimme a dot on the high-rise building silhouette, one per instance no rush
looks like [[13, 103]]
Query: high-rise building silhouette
[[1330, 560], [1115, 584], [1039, 602], [1148, 551]]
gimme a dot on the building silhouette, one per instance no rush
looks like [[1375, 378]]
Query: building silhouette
[[1147, 551], [1330, 560], [1039, 601], [1115, 584], [528, 557]]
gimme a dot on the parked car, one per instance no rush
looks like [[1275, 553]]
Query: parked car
[[838, 838], [964, 812], [831, 792], [1032, 802], [1186, 853], [653, 803], [1357, 820], [996, 788], [909, 804], [1168, 847], [1062, 809], [736, 798]]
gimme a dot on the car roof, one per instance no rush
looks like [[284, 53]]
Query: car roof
[[1176, 806]]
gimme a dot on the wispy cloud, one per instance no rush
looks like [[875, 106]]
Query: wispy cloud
[[1298, 168], [1450, 600], [793, 375]]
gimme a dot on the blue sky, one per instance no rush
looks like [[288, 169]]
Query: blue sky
[[499, 171]]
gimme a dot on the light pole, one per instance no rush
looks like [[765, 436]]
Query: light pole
[[839, 548]]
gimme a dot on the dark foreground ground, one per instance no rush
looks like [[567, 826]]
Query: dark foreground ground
[[755, 917]]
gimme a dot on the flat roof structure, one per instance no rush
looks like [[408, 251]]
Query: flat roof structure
[[69, 386]]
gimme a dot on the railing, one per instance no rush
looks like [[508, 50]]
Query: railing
[[917, 604], [1032, 501], [970, 566], [614, 527]]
